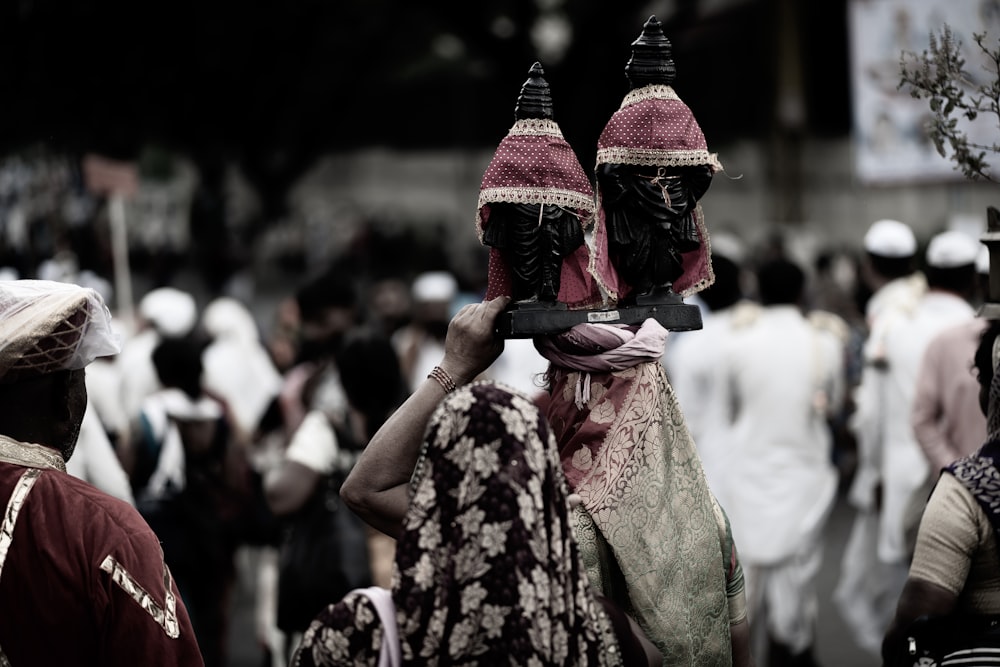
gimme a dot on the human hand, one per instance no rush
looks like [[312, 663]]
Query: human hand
[[471, 344]]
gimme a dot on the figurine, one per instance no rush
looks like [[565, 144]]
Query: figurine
[[535, 205], [653, 167]]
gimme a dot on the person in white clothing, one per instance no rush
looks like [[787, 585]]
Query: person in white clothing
[[237, 365], [950, 270], [164, 313], [784, 378], [95, 460], [697, 377], [888, 267]]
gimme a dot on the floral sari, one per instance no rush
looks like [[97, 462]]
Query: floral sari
[[487, 569]]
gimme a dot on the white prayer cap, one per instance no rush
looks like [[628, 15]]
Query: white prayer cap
[[950, 249], [890, 238], [983, 261], [435, 286], [48, 326], [172, 312]]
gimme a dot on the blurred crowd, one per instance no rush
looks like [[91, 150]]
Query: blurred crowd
[[844, 374]]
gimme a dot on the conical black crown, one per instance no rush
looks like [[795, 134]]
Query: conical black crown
[[535, 100], [652, 57]]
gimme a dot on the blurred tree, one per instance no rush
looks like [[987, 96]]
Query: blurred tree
[[938, 75]]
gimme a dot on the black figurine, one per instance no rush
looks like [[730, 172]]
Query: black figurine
[[653, 168], [537, 200]]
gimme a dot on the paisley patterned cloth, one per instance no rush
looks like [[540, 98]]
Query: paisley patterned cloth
[[652, 535], [487, 569]]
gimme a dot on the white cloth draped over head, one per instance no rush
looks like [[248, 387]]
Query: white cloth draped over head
[[47, 326]]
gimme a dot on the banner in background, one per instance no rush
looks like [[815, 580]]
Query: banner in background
[[891, 143]]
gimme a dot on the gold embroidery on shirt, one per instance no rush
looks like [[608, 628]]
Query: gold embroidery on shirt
[[166, 618], [30, 454]]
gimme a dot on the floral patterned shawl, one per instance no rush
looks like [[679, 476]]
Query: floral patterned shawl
[[487, 570], [626, 451]]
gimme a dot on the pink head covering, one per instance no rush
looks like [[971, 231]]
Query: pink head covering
[[653, 127], [535, 165]]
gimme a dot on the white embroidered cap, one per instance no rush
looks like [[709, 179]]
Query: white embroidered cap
[[950, 249], [890, 238], [48, 326]]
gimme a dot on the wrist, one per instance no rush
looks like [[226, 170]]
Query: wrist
[[443, 378]]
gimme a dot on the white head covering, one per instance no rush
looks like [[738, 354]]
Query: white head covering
[[890, 238], [47, 326], [435, 286], [950, 249], [237, 366], [172, 312]]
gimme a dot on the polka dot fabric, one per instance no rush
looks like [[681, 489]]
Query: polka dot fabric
[[534, 165], [653, 127]]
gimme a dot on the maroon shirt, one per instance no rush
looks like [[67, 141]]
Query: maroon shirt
[[84, 582]]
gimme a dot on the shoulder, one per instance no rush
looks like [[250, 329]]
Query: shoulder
[[744, 315], [830, 323], [101, 512]]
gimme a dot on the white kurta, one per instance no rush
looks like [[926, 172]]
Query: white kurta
[[692, 364], [904, 466], [784, 373], [862, 593]]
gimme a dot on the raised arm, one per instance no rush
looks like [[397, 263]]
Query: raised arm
[[377, 487]]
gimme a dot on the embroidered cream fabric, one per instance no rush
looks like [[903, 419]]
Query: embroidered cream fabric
[[652, 92], [30, 455], [514, 195], [535, 126], [657, 157], [166, 618], [14, 505]]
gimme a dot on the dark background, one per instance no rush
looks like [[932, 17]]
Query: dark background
[[272, 84]]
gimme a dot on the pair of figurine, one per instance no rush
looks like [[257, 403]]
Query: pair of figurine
[[565, 255]]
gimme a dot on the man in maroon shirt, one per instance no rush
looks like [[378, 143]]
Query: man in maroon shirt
[[82, 577]]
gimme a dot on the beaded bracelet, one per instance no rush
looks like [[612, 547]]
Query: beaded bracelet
[[443, 379]]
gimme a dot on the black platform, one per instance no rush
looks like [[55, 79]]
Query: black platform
[[527, 321]]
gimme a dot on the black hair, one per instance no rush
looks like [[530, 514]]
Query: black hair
[[959, 279], [725, 291], [371, 376], [983, 358], [178, 364], [334, 288], [892, 267], [780, 281]]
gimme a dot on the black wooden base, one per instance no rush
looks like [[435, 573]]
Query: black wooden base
[[525, 321]]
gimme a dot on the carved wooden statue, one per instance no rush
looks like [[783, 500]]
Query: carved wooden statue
[[534, 205], [653, 167]]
